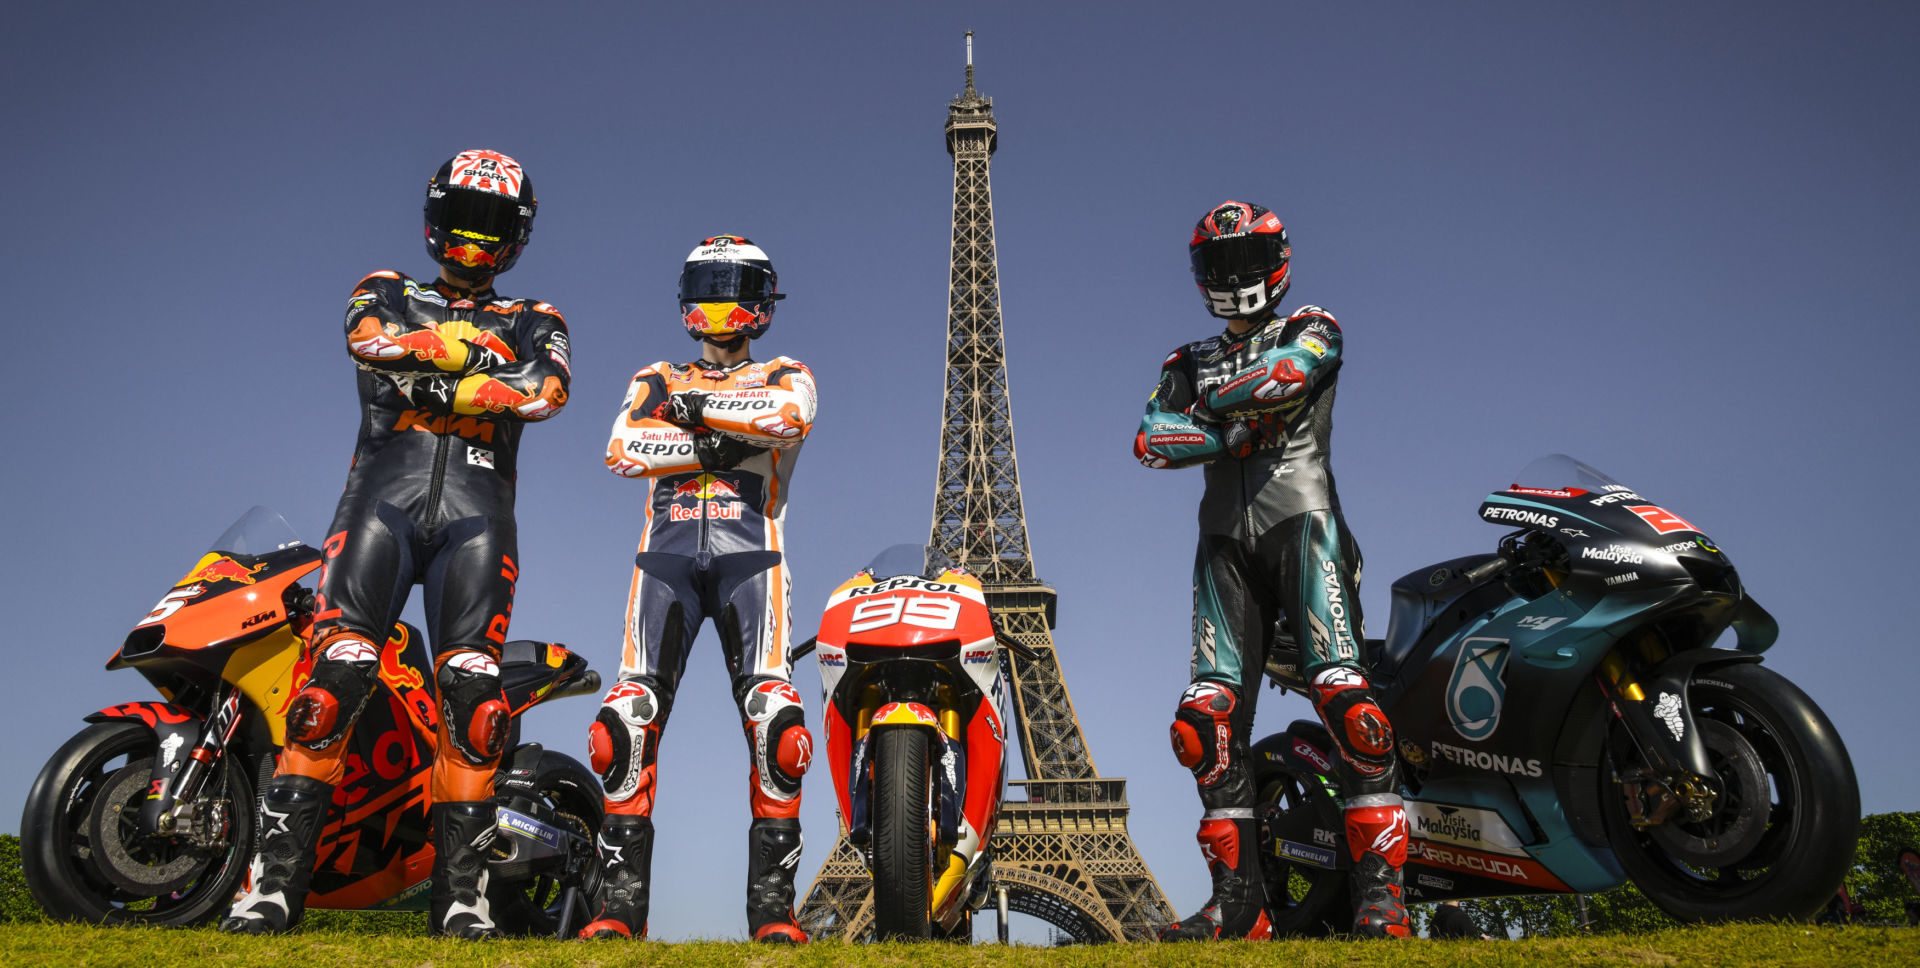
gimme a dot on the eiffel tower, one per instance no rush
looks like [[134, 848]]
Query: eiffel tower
[[1062, 853]]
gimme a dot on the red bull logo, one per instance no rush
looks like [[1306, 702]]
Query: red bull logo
[[714, 498], [425, 345], [469, 255], [719, 317], [395, 672], [491, 395], [221, 568], [706, 487]]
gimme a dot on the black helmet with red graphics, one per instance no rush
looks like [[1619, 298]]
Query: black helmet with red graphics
[[480, 209], [727, 289], [1239, 253]]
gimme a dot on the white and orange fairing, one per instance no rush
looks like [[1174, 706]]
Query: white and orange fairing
[[907, 612]]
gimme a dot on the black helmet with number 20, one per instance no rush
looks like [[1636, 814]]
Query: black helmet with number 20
[[480, 209], [1239, 255]]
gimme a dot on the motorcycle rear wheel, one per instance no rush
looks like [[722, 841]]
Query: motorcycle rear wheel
[[1302, 901], [901, 835], [530, 907], [79, 846], [1788, 790]]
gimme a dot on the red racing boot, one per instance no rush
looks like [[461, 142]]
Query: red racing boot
[[1377, 840], [1238, 907]]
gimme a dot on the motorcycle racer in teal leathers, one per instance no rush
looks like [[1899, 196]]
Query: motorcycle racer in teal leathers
[[1254, 404]]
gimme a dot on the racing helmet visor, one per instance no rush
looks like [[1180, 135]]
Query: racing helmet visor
[[726, 282], [1238, 260], [481, 216]]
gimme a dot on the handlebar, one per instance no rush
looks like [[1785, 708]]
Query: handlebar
[[1486, 569]]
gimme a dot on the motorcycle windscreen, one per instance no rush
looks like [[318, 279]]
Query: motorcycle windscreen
[[259, 531], [923, 561]]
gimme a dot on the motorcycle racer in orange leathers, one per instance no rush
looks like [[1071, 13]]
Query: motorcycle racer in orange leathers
[[717, 440], [449, 375]]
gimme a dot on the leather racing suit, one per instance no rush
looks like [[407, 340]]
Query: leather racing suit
[[447, 381], [1257, 410], [712, 545]]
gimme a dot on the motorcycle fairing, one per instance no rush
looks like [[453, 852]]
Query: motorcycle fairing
[[1614, 535], [376, 846], [943, 621], [1556, 643], [529, 671]]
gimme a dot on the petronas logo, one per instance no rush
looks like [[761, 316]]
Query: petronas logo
[[1477, 689]]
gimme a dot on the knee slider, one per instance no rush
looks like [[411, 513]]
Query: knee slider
[[474, 714], [324, 710], [624, 737], [1344, 699], [777, 728], [1202, 731]]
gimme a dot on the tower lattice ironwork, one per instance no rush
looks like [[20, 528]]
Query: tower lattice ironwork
[[1062, 853]]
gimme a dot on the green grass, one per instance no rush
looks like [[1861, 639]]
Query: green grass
[[1744, 946]]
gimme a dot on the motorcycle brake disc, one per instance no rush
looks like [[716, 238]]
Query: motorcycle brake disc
[[146, 866], [1739, 821]]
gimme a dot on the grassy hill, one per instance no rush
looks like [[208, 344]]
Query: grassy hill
[[1734, 946]]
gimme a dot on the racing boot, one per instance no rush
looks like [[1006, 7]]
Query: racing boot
[[292, 811], [1377, 840], [773, 852], [625, 846], [462, 833], [1238, 907]]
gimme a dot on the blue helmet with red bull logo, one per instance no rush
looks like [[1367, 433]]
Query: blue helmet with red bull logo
[[1239, 253], [727, 290], [480, 208]]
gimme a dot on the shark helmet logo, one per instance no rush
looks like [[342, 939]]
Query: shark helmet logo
[[1477, 690]]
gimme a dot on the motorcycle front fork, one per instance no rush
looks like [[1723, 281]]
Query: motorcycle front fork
[[1661, 785], [202, 823]]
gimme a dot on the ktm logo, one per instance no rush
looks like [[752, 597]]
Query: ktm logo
[[468, 427]]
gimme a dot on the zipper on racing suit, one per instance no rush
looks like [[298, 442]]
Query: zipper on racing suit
[[440, 446]]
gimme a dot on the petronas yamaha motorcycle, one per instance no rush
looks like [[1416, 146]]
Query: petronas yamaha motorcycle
[[1568, 721]]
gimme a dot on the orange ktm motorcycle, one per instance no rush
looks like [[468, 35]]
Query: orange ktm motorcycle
[[148, 815], [916, 736]]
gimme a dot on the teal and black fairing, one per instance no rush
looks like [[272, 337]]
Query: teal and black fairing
[[1492, 692]]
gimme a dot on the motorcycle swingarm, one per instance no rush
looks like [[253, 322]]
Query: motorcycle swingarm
[[176, 733]]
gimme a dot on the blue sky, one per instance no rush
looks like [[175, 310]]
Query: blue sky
[[1666, 239]]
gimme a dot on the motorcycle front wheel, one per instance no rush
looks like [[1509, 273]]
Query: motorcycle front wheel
[[85, 858], [1782, 834], [901, 835]]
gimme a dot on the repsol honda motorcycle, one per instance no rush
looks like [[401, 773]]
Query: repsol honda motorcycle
[[148, 815], [1565, 724], [916, 736]]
